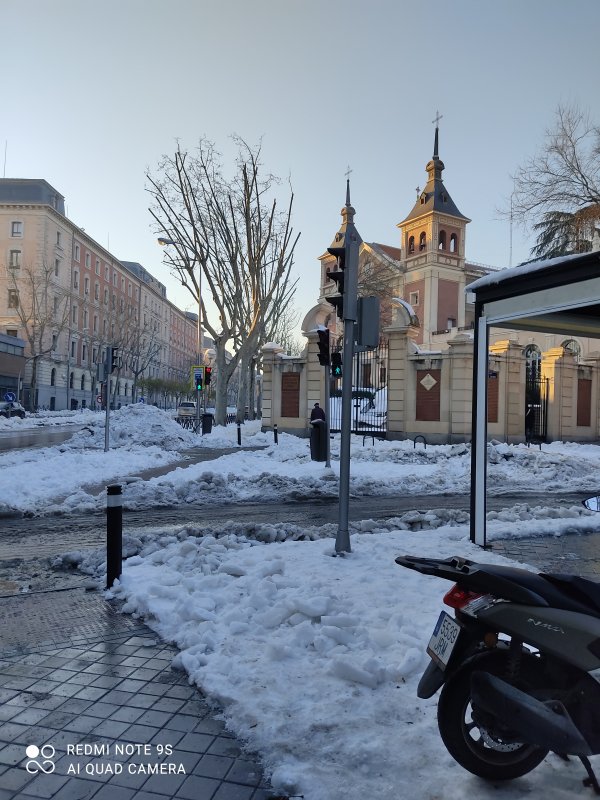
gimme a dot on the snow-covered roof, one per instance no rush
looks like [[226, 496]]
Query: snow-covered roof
[[523, 269]]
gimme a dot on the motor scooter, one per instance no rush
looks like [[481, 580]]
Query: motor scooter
[[518, 665]]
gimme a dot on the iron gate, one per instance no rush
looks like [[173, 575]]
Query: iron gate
[[369, 393], [536, 409]]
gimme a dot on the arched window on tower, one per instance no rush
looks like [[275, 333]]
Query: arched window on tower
[[442, 241], [453, 243], [422, 241], [411, 244], [53, 378]]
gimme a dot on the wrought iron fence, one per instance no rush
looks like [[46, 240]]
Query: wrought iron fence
[[369, 393]]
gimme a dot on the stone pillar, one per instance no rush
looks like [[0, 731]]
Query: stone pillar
[[560, 367], [511, 397], [269, 389], [460, 387], [399, 383]]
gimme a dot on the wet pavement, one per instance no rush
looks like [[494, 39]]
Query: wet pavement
[[90, 708]]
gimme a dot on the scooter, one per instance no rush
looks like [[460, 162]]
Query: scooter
[[518, 664]]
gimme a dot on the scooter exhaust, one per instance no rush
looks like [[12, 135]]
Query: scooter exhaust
[[544, 724]]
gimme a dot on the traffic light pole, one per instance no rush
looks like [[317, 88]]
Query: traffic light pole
[[342, 541], [107, 373], [327, 370]]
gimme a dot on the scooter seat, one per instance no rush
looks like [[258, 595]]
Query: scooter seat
[[581, 590]]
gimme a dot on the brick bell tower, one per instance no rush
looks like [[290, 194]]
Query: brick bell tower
[[433, 254]]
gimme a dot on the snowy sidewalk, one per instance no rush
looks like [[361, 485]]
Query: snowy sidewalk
[[78, 678]]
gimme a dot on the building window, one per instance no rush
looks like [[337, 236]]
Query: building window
[[54, 340], [572, 347], [114, 278], [16, 229], [71, 380], [11, 332], [77, 254], [53, 378], [94, 354], [451, 323], [106, 273], [83, 353], [411, 244], [96, 291], [83, 383], [73, 349], [74, 316], [76, 280], [88, 260], [14, 260], [104, 326], [106, 297], [422, 241], [97, 267], [413, 298], [453, 243], [129, 289], [86, 285], [13, 298], [442, 242], [58, 239], [85, 319], [56, 266], [95, 323]]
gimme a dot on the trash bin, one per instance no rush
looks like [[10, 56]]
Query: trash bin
[[207, 423], [318, 440]]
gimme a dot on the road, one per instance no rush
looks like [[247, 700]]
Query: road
[[40, 436], [26, 544]]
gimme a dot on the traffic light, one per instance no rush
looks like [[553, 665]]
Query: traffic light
[[336, 365], [199, 379], [338, 250], [207, 375], [323, 348], [115, 359]]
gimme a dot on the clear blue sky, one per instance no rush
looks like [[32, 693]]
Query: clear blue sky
[[96, 92]]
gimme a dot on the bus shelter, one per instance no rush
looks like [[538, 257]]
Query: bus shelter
[[560, 295]]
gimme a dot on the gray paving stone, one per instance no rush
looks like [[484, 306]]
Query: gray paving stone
[[76, 789], [246, 772], [182, 722], [164, 784], [213, 766], [14, 779], [112, 728], [127, 714], [11, 732], [195, 742], [45, 786], [233, 791], [102, 709], [82, 724], [153, 718], [170, 704], [113, 792], [196, 787], [224, 746]]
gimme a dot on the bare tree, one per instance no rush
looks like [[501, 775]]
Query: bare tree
[[43, 309], [557, 191], [231, 233], [378, 277]]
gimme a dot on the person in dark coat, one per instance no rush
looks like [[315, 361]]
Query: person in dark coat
[[317, 413]]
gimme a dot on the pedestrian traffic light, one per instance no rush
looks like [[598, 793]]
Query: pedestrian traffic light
[[199, 378], [115, 358], [323, 348], [336, 365], [338, 249], [207, 375]]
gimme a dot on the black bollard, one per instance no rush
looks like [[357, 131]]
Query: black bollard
[[114, 533], [275, 434], [239, 427]]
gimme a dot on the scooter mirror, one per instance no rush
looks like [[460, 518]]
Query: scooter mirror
[[592, 503]]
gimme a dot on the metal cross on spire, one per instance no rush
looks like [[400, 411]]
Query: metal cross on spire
[[348, 171], [436, 122], [437, 119]]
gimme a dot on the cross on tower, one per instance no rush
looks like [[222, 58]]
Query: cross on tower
[[348, 171], [437, 119]]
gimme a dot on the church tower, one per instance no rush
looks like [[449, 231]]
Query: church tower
[[433, 255]]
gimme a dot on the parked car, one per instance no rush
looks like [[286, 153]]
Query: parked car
[[186, 409], [13, 409]]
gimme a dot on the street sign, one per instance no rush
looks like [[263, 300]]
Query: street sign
[[141, 400], [10, 397], [99, 398]]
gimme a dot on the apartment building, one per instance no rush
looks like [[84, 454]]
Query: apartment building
[[69, 298]]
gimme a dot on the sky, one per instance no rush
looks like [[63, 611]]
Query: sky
[[313, 662], [100, 91]]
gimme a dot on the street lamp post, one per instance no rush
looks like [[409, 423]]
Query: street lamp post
[[163, 242]]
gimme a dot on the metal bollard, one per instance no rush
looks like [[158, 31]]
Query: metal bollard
[[114, 533], [275, 434], [239, 427]]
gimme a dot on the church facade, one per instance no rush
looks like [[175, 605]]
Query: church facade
[[541, 387]]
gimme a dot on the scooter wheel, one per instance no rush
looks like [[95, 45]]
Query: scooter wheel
[[483, 752]]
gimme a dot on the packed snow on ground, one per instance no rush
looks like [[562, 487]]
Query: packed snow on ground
[[315, 659], [66, 478]]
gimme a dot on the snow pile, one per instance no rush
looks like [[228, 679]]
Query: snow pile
[[316, 659]]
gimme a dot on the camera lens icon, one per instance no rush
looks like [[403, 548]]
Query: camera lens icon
[[46, 752]]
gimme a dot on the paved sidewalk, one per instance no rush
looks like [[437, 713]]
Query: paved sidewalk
[[89, 702]]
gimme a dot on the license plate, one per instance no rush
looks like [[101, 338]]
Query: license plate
[[444, 638]]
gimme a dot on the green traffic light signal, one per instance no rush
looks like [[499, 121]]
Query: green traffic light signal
[[336, 365]]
